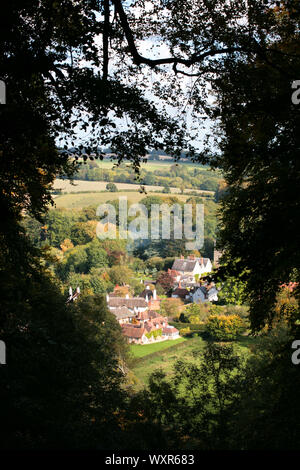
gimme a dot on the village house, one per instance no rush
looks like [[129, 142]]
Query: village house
[[123, 315], [205, 293], [170, 332], [181, 293], [151, 298], [205, 265], [192, 266], [134, 304], [140, 319], [187, 281], [141, 332], [135, 334]]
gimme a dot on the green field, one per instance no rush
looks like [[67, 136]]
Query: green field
[[165, 359], [144, 350], [152, 164], [82, 193], [79, 200], [77, 186]]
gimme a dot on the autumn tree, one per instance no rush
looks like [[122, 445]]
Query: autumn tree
[[166, 281]]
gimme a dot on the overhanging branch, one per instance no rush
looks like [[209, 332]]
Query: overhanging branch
[[105, 40], [139, 59]]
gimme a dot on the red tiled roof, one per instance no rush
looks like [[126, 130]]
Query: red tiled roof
[[153, 314], [132, 331], [170, 330], [143, 315]]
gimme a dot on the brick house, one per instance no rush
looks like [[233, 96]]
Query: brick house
[[146, 320], [135, 334]]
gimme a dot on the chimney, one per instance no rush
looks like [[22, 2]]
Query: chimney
[[154, 294]]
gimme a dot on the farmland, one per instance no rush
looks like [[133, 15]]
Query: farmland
[[94, 186], [84, 199], [151, 165], [89, 185]]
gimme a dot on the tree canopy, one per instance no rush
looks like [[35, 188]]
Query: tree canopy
[[141, 76]]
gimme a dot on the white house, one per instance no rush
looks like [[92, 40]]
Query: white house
[[192, 266], [135, 304], [205, 294], [205, 265], [170, 332]]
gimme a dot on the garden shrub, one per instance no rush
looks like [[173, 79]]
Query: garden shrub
[[224, 327], [185, 331], [194, 319], [240, 310]]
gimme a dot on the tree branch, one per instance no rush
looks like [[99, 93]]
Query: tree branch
[[105, 40], [139, 59]]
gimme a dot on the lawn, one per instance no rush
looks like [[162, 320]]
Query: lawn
[[165, 359], [144, 350]]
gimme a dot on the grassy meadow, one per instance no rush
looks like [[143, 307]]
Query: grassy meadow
[[164, 359], [138, 350], [151, 165], [81, 193], [80, 200]]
